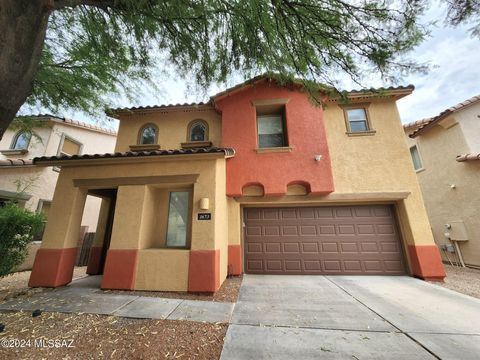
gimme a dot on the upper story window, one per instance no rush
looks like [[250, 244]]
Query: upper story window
[[148, 135], [198, 131], [69, 146], [271, 127], [417, 162], [21, 141], [357, 120]]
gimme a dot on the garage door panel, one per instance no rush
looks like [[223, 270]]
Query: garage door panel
[[322, 240]]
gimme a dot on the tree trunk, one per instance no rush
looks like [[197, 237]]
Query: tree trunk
[[23, 26]]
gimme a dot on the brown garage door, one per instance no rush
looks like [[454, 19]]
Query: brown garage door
[[333, 240]]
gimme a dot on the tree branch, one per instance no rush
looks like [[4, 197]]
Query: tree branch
[[102, 4]]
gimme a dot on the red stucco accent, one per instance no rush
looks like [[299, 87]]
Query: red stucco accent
[[120, 269], [53, 267], [234, 260], [306, 135], [426, 262], [204, 271], [94, 259]]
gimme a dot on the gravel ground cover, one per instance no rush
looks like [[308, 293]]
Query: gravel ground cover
[[86, 336], [228, 292], [462, 280], [16, 284]]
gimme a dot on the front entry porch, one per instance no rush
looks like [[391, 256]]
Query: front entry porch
[[162, 224]]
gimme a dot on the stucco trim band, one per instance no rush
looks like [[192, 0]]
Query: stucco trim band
[[332, 197], [120, 269], [135, 180], [53, 267], [204, 271], [426, 263], [234, 260]]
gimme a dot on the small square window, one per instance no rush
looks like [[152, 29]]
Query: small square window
[[357, 120], [417, 162]]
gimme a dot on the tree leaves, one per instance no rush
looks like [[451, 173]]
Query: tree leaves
[[98, 48]]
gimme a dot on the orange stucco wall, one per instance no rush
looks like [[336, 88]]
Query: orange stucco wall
[[275, 170]]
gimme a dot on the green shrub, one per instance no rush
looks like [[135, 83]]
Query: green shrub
[[18, 227]]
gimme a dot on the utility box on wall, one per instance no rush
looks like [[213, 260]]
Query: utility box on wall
[[457, 231]]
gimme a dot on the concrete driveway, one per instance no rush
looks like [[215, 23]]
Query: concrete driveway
[[351, 317]]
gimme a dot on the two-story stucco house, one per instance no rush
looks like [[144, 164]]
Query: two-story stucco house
[[446, 154], [54, 136], [260, 181]]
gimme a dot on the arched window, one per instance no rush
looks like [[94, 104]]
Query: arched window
[[198, 131], [148, 135], [21, 141]]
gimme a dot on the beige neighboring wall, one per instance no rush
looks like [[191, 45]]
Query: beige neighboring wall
[[172, 126], [438, 148], [42, 179], [378, 163]]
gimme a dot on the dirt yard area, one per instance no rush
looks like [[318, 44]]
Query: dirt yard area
[[97, 336], [463, 280], [228, 292], [17, 283]]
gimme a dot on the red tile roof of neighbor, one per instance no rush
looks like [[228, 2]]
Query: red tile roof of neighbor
[[71, 122], [228, 152], [366, 92], [15, 162], [468, 157], [434, 120]]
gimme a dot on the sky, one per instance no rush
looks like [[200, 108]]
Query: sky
[[454, 76]]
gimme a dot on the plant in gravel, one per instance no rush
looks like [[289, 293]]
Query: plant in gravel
[[18, 227]]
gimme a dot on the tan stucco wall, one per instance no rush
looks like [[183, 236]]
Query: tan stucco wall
[[139, 223], [165, 269], [438, 149], [361, 165], [172, 127], [377, 163]]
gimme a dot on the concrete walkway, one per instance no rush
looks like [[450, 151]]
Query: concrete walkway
[[83, 296], [346, 317]]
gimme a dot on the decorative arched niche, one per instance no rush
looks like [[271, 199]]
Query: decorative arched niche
[[298, 188], [253, 189]]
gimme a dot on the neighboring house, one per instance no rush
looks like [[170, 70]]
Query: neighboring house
[[446, 155], [259, 181], [54, 136]]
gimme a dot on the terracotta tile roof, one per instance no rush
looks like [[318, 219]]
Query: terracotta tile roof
[[15, 162], [468, 157], [71, 122], [112, 112], [369, 91], [228, 152], [416, 124], [251, 81], [445, 113]]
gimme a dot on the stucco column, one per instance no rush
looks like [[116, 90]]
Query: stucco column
[[55, 260], [95, 256], [423, 254], [121, 263], [234, 238]]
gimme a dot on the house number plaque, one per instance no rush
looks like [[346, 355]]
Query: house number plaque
[[205, 216]]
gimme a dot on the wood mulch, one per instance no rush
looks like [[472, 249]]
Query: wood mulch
[[228, 292], [98, 336], [463, 280], [16, 284]]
